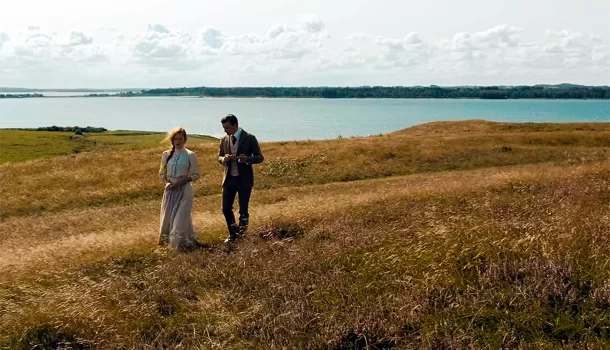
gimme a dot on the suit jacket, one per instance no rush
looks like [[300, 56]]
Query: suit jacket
[[248, 145]]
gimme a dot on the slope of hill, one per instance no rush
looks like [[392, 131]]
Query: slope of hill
[[445, 235]]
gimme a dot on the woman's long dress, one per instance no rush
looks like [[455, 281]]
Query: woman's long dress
[[176, 227]]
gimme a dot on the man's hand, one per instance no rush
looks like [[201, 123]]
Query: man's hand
[[242, 158], [228, 157]]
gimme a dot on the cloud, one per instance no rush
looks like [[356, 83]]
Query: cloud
[[501, 36], [359, 36], [212, 37], [277, 30], [37, 49], [497, 53], [499, 50], [76, 38], [157, 28], [411, 40], [312, 23], [560, 50], [304, 51], [158, 46], [3, 38], [282, 41], [408, 51]]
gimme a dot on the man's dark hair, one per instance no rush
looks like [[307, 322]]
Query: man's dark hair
[[230, 118]]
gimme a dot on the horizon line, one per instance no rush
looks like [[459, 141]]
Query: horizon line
[[85, 89]]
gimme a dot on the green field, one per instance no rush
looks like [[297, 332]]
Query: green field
[[22, 145]]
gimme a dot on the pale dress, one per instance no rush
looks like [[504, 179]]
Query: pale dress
[[176, 221]]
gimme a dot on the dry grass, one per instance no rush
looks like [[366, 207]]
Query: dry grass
[[452, 242], [108, 177]]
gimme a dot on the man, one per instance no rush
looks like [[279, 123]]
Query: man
[[239, 150]]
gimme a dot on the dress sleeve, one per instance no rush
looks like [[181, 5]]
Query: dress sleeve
[[194, 171], [163, 168]]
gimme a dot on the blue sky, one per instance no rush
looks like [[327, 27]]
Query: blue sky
[[163, 43]]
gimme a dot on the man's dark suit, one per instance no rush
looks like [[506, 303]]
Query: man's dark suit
[[242, 184]]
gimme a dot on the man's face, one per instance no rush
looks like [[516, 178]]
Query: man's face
[[229, 128]]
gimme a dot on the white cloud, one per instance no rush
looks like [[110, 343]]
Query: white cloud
[[359, 36], [303, 52], [76, 38], [499, 50], [157, 28], [37, 49], [212, 37], [277, 29], [3, 38], [158, 46], [501, 36], [282, 41], [312, 23], [498, 53]]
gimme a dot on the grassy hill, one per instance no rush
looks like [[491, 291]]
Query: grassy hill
[[445, 235]]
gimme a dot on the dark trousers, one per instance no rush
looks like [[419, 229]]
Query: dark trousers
[[231, 187]]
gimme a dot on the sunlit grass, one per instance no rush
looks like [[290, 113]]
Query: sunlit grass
[[108, 177], [450, 235]]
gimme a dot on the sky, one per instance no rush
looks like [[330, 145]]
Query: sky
[[176, 43]]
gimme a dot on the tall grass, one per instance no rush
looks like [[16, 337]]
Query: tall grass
[[471, 251]]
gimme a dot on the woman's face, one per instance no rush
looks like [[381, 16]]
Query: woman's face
[[179, 140]]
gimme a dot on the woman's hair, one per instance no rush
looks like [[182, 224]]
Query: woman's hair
[[170, 138]]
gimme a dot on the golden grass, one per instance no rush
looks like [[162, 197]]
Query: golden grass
[[55, 241], [110, 177], [449, 243]]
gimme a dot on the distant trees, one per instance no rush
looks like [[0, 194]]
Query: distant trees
[[561, 91], [20, 95], [564, 91], [76, 129]]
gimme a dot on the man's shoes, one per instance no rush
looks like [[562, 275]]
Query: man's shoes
[[230, 239], [243, 225], [233, 234]]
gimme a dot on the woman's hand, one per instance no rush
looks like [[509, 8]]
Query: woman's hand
[[179, 183]]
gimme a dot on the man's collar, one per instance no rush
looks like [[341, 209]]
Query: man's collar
[[238, 133]]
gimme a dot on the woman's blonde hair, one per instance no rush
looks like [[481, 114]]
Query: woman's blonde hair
[[170, 135], [170, 138]]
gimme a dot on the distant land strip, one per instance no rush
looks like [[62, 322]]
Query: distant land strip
[[559, 91]]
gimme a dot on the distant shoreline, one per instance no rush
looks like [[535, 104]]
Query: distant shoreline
[[309, 98], [549, 92]]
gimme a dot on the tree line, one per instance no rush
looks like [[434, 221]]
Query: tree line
[[75, 129], [20, 95], [561, 91], [486, 92]]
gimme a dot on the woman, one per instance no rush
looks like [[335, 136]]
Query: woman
[[179, 167]]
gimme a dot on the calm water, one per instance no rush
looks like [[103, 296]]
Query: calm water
[[285, 119]]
